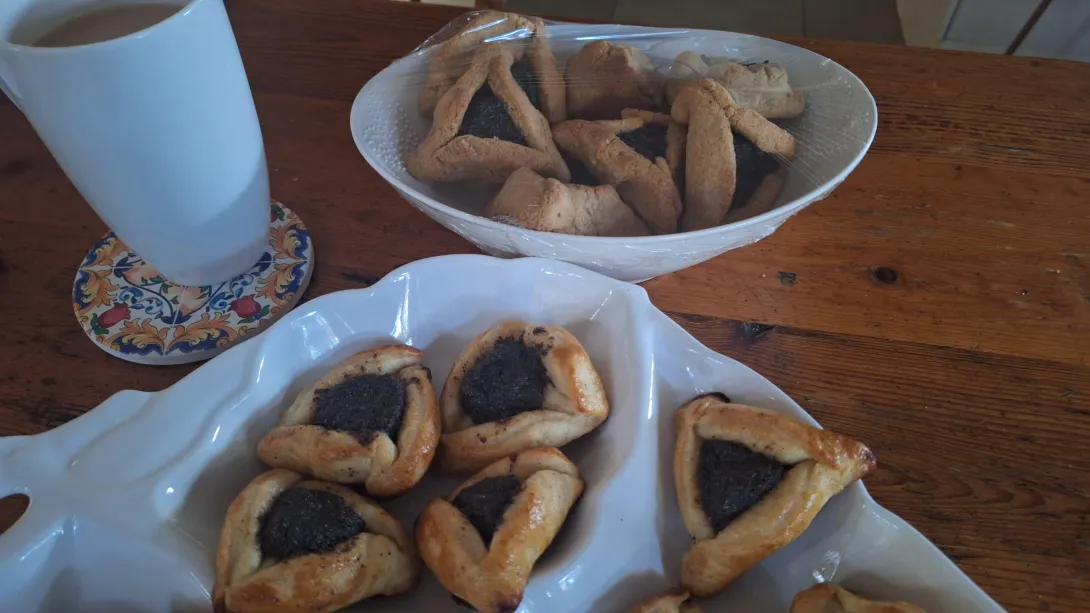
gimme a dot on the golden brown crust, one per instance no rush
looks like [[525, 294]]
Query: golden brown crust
[[575, 401], [381, 561], [446, 156], [604, 78], [830, 598], [383, 466], [492, 577], [646, 186], [531, 201], [670, 603], [822, 464]]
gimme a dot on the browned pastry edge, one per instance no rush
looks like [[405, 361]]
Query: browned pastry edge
[[831, 598], [531, 201], [822, 463], [384, 467], [575, 401], [605, 77], [380, 561], [669, 603], [648, 187], [446, 156], [492, 577]]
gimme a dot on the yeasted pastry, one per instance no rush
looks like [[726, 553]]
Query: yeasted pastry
[[289, 545], [516, 387], [483, 540], [750, 481], [373, 420]]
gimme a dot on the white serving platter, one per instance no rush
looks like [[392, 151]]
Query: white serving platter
[[127, 501], [832, 137]]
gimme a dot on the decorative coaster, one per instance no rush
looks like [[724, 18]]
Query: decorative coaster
[[130, 311]]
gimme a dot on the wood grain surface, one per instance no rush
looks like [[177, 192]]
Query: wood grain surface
[[936, 306]]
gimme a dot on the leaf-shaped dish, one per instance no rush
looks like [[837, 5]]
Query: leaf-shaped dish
[[127, 501]]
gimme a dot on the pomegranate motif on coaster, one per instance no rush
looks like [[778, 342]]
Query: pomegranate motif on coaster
[[132, 312]]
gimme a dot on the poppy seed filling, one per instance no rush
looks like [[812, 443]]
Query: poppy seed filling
[[732, 478], [362, 404], [753, 165], [509, 379], [485, 502], [302, 521], [649, 140], [487, 115]]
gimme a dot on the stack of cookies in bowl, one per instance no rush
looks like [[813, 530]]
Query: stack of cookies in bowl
[[606, 143]]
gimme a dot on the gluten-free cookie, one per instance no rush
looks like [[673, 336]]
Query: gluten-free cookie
[[486, 125], [730, 154], [373, 420], [483, 540], [518, 386], [760, 86], [633, 154], [289, 545], [525, 37], [749, 481], [605, 77], [531, 201]]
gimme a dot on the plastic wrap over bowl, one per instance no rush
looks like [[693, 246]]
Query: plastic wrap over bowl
[[831, 138]]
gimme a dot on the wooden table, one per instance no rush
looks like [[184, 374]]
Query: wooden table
[[936, 306]]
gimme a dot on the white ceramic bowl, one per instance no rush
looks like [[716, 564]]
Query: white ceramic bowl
[[833, 135], [127, 501]]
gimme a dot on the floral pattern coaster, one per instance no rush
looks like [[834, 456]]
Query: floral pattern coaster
[[128, 309]]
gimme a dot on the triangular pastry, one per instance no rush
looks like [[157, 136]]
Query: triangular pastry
[[373, 420], [670, 603], [289, 544], [531, 201], [526, 38], [486, 126], [749, 481], [639, 155], [605, 77], [760, 86], [730, 153], [483, 540], [516, 387], [830, 598]]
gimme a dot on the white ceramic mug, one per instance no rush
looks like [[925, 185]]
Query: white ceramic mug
[[156, 129]]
